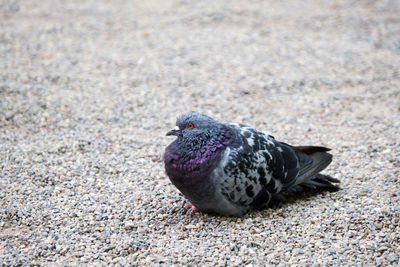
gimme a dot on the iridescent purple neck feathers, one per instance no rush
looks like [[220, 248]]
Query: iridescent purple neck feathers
[[191, 160]]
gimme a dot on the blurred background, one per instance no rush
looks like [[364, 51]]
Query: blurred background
[[88, 90]]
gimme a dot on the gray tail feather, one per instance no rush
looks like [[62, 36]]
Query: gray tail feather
[[320, 160], [309, 175], [319, 181]]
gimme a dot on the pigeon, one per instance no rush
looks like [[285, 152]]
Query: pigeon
[[229, 169]]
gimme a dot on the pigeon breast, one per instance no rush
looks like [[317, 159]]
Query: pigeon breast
[[188, 161]]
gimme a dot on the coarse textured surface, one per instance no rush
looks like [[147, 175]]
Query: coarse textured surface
[[88, 90]]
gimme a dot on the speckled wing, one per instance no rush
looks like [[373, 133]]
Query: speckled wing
[[257, 167]]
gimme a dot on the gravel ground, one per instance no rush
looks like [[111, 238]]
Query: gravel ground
[[88, 90]]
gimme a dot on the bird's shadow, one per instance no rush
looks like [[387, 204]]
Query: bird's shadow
[[279, 201], [290, 198], [284, 200]]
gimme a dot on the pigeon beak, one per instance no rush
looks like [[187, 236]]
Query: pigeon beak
[[175, 132]]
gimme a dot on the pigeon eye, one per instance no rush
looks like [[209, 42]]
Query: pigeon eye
[[190, 125]]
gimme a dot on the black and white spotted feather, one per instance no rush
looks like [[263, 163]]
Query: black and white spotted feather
[[251, 170], [257, 168]]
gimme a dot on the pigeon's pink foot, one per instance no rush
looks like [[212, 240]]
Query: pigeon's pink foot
[[192, 208]]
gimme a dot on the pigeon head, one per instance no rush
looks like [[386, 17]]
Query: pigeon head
[[199, 143], [193, 125]]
